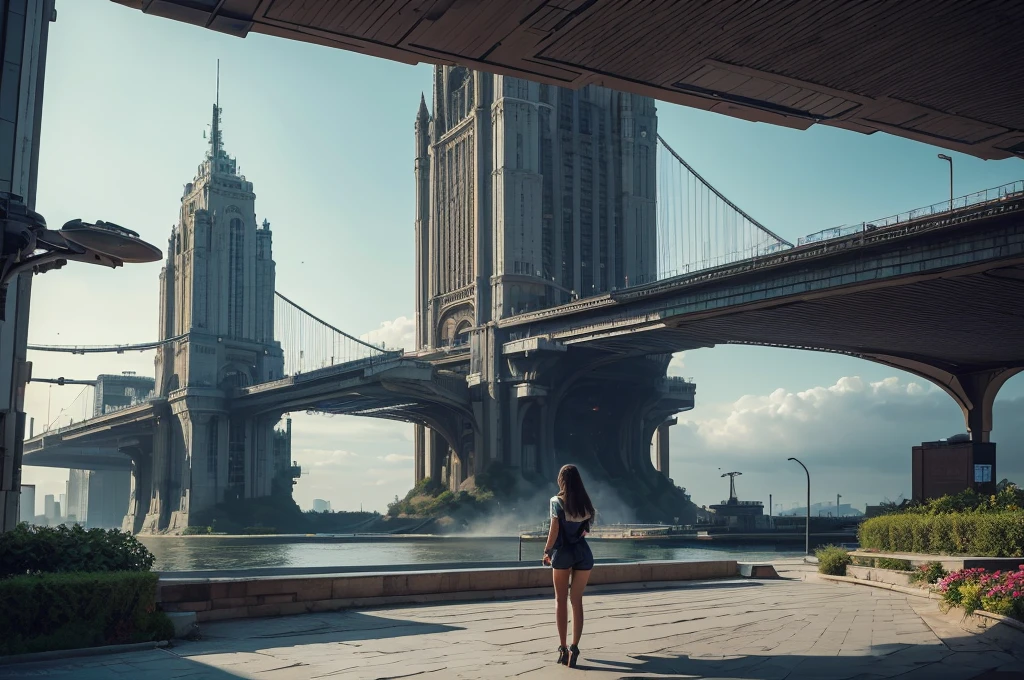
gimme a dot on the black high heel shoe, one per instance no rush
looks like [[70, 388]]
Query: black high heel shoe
[[563, 655], [574, 654]]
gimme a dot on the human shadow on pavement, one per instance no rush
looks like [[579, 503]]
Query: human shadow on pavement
[[250, 635], [908, 662]]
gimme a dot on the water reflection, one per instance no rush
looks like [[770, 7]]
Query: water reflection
[[198, 553]]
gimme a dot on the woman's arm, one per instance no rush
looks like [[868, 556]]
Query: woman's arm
[[552, 536]]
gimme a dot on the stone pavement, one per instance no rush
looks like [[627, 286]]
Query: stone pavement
[[733, 629]]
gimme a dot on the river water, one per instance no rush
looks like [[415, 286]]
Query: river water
[[208, 553]]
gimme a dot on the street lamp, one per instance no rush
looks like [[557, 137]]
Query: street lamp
[[807, 528], [947, 158]]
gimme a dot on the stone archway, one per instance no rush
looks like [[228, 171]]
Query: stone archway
[[233, 376]]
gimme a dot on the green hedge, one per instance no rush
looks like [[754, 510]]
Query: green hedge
[[33, 550], [999, 534], [66, 611]]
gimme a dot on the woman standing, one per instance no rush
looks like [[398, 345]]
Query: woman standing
[[569, 556]]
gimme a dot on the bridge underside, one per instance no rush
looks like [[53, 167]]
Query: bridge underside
[[964, 333], [859, 66], [937, 321]]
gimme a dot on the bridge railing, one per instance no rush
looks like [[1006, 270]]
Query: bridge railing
[[1005, 192], [136, 401]]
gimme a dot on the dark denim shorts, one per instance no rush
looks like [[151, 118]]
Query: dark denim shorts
[[575, 556]]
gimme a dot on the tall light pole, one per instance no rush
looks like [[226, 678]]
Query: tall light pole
[[807, 528], [947, 158], [838, 496]]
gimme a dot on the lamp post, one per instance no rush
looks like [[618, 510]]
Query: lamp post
[[838, 496], [807, 528], [947, 158]]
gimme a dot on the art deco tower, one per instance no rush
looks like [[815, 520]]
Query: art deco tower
[[528, 196], [217, 299]]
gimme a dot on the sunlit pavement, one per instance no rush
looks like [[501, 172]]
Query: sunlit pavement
[[738, 629]]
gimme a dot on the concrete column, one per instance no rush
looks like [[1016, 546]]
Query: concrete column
[[980, 390], [419, 453], [25, 29], [155, 505], [141, 489], [661, 447], [436, 454]]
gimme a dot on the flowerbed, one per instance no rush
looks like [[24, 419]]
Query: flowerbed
[[998, 592]]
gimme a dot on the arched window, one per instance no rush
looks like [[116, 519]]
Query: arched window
[[236, 279]]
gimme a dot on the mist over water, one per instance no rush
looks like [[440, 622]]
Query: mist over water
[[531, 510]]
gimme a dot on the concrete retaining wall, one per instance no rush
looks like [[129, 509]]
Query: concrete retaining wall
[[216, 599], [949, 562], [896, 578]]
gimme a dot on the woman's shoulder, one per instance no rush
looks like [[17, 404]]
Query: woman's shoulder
[[556, 503]]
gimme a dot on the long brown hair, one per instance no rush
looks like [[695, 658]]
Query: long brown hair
[[575, 500]]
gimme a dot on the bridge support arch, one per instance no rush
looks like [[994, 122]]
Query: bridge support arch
[[973, 389], [551, 404]]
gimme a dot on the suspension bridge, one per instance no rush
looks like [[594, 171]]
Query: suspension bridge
[[898, 291]]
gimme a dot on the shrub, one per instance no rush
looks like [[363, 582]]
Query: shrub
[[990, 534], [891, 563], [258, 531], [66, 611], [832, 560], [929, 573], [1000, 592], [197, 531], [34, 550]]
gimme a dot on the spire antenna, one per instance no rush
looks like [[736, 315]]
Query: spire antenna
[[218, 84]]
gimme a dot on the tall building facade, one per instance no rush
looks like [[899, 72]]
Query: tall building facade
[[530, 196], [217, 299], [527, 196]]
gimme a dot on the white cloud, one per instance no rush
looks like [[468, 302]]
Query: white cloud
[[395, 458], [397, 333], [855, 437], [676, 366]]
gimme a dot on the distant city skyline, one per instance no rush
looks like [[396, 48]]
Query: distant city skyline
[[326, 134]]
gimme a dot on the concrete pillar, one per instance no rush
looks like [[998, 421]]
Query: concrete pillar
[[661, 447], [24, 28], [436, 454], [419, 454], [976, 395], [155, 504]]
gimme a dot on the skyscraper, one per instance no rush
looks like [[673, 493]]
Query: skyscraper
[[527, 196], [217, 299]]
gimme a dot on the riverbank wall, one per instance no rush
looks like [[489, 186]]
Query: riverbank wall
[[214, 599]]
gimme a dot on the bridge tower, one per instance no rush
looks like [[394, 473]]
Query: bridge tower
[[217, 298], [528, 197]]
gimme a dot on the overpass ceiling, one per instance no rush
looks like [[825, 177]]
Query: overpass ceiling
[[947, 73], [958, 324]]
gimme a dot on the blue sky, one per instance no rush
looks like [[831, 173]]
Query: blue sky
[[326, 137]]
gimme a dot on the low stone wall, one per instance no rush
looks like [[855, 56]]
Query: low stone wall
[[949, 562], [216, 599], [896, 578]]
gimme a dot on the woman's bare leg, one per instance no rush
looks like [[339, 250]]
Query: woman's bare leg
[[579, 582], [561, 581]]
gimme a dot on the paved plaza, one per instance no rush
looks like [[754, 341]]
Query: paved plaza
[[792, 628]]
